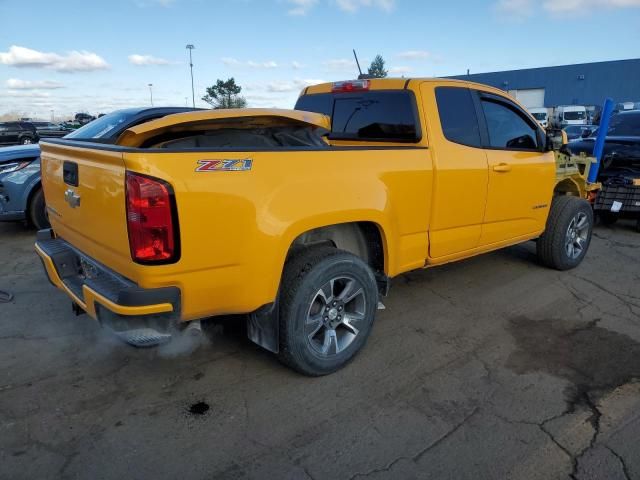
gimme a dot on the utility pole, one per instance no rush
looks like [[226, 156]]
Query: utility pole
[[151, 93], [52, 116], [190, 47]]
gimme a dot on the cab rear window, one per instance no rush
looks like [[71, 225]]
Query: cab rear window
[[387, 116]]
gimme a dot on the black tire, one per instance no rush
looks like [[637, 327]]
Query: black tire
[[38, 211], [607, 218], [26, 141], [306, 273], [558, 246]]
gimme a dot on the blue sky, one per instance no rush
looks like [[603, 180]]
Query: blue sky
[[96, 56]]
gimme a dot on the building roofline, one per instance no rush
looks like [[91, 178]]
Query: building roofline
[[545, 68]]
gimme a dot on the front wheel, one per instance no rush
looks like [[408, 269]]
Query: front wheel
[[567, 237], [26, 141], [328, 301]]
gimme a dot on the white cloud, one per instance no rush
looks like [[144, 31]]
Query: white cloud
[[74, 61], [400, 70], [341, 64], [17, 84], [414, 55], [300, 7], [297, 65], [294, 85], [355, 5], [144, 60], [234, 62], [23, 94], [520, 9]]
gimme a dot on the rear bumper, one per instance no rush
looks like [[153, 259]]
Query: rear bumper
[[99, 291]]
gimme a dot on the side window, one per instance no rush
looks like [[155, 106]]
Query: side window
[[507, 128], [458, 116]]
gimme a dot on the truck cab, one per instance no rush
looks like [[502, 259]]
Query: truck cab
[[541, 115], [570, 115]]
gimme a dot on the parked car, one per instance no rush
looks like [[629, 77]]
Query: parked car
[[541, 115], [569, 115], [50, 129], [21, 196], [18, 133], [621, 148], [299, 218], [575, 132], [83, 118]]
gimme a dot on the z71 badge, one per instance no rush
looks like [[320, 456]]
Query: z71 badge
[[224, 165]]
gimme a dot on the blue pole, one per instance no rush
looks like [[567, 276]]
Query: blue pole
[[607, 110]]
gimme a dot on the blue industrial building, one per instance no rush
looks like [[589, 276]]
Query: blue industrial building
[[579, 84]]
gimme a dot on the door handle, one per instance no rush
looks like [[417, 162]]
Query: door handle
[[502, 168]]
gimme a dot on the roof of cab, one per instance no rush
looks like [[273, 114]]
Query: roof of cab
[[397, 84]]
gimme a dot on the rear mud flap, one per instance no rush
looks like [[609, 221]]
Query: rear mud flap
[[263, 327]]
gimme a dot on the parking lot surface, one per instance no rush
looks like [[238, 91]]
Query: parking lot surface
[[489, 368]]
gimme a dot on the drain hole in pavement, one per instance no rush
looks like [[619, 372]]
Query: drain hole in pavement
[[199, 408], [593, 359]]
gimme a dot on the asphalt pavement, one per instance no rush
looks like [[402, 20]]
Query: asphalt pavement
[[491, 368]]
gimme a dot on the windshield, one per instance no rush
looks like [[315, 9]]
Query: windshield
[[539, 115], [103, 127], [573, 129], [581, 115], [625, 125]]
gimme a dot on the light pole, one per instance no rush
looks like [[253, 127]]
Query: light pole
[[151, 93], [52, 116], [193, 94]]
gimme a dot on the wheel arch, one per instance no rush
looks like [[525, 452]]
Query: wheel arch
[[364, 239], [567, 186]]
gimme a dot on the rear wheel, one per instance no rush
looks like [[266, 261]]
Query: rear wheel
[[26, 141], [38, 211], [566, 239], [327, 308]]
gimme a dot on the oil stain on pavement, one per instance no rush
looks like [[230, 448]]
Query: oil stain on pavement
[[595, 360]]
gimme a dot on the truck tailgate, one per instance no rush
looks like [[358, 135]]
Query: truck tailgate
[[85, 195]]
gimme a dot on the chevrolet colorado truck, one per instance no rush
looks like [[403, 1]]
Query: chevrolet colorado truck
[[300, 218]]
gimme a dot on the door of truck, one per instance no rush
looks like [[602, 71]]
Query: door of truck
[[521, 172], [460, 170]]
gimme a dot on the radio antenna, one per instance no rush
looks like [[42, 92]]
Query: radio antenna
[[357, 62]]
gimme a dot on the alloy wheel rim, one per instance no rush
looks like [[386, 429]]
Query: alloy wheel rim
[[334, 316], [577, 234]]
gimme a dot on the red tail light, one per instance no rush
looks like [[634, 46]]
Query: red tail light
[[153, 229]]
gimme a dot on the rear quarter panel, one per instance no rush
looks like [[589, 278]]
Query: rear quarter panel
[[236, 227]]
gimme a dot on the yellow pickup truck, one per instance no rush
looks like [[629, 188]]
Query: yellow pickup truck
[[300, 218]]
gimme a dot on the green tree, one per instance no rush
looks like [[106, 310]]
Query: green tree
[[376, 69], [225, 94]]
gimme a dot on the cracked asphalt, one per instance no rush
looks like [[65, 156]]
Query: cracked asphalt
[[490, 368]]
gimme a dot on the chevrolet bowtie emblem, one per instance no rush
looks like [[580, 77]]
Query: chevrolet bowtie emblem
[[72, 198]]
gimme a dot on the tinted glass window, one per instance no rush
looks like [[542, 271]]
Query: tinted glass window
[[575, 115], [539, 116], [625, 125], [458, 115], [369, 115], [104, 126], [507, 128], [320, 103]]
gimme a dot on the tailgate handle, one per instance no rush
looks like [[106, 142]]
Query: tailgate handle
[[70, 173]]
